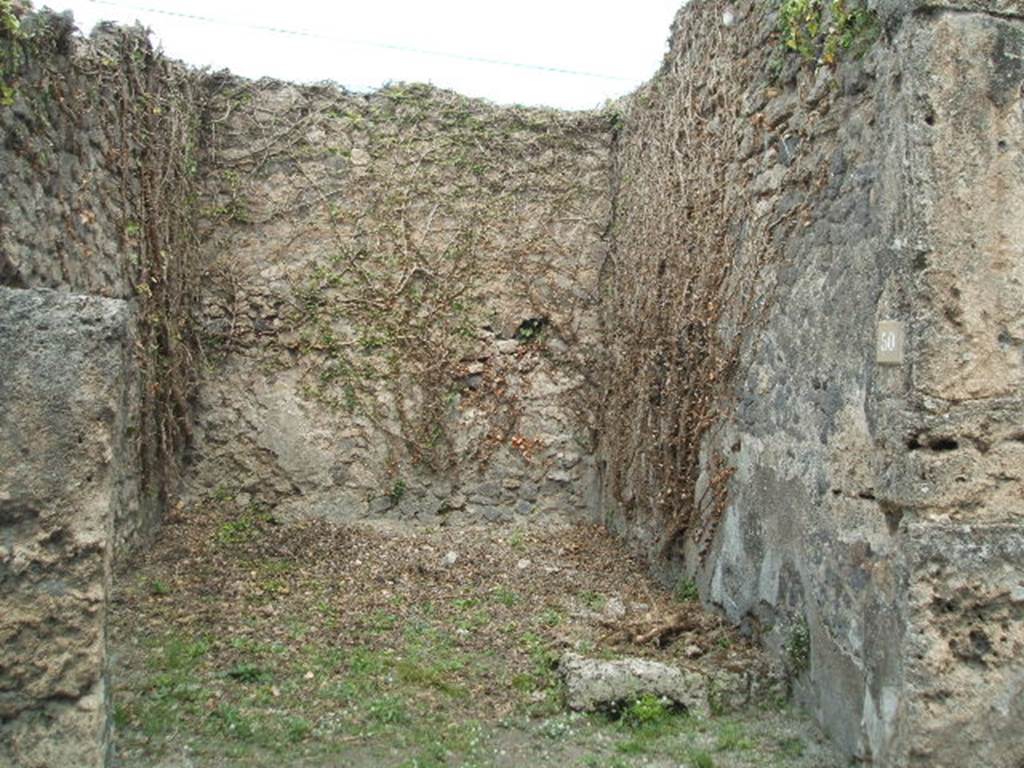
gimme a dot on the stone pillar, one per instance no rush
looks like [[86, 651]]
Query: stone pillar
[[63, 367], [957, 482]]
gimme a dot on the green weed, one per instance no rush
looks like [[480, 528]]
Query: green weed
[[686, 591], [798, 648], [791, 747], [387, 710], [823, 32], [505, 596], [232, 722], [732, 738], [248, 673], [648, 710]]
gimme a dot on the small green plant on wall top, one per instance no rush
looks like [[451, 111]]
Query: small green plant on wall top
[[824, 31], [11, 37], [8, 21]]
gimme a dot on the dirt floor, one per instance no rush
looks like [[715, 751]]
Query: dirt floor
[[241, 640]]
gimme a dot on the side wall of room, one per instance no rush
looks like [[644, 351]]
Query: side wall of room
[[856, 506]]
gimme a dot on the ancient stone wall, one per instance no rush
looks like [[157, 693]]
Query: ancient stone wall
[[399, 304], [418, 306], [864, 519], [101, 153], [94, 338]]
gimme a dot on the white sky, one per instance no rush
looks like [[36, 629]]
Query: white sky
[[348, 42]]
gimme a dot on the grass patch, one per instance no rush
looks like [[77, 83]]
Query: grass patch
[[505, 596], [232, 722], [381, 621], [551, 617], [646, 712], [791, 747], [433, 676], [310, 676], [387, 710], [686, 591], [592, 600], [242, 529], [648, 723], [732, 737], [178, 653], [248, 673]]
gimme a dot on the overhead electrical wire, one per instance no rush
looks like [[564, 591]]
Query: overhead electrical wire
[[362, 43]]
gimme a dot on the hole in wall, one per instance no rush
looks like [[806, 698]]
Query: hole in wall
[[893, 518], [938, 443], [56, 537], [9, 275], [981, 445], [945, 605], [531, 328], [13, 512], [1006, 339]]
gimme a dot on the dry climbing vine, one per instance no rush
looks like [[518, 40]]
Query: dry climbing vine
[[684, 284], [158, 138], [410, 209], [114, 102]]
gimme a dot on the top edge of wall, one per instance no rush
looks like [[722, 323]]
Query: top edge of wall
[[896, 9], [63, 25]]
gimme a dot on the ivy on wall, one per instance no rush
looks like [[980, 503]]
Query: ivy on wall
[[682, 286], [13, 51], [823, 31]]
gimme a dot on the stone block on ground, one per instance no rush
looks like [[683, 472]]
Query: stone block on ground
[[596, 684]]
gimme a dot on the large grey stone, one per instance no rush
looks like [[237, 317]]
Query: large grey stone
[[63, 362]]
